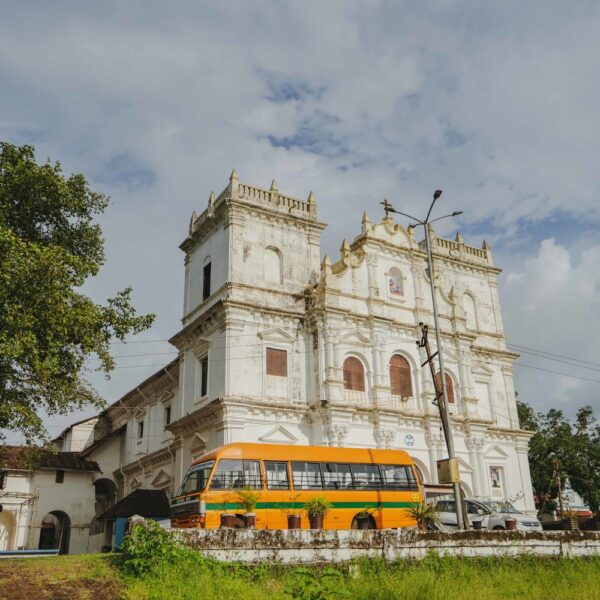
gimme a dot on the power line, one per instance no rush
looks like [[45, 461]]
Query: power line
[[557, 373], [587, 362]]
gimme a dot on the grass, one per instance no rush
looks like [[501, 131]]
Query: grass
[[435, 578]]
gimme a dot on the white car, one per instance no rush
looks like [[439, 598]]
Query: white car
[[491, 513]]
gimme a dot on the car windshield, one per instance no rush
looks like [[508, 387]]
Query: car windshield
[[500, 506], [196, 478]]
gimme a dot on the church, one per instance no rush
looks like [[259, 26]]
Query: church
[[280, 345]]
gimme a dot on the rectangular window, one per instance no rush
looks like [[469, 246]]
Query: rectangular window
[[276, 362], [60, 476], [167, 415], [277, 475], [366, 477], [204, 377], [206, 282], [307, 476], [236, 475], [398, 477], [140, 430], [336, 476]]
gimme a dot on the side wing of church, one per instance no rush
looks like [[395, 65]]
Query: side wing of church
[[279, 346]]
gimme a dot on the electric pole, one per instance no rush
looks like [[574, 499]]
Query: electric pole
[[442, 399], [560, 498]]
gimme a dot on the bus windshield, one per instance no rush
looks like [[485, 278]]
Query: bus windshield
[[196, 478]]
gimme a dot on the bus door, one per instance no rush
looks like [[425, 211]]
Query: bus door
[[278, 498]]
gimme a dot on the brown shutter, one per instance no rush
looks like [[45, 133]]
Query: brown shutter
[[449, 386], [400, 379], [276, 362], [354, 375]]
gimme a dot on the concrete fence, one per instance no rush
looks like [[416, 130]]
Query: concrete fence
[[336, 546]]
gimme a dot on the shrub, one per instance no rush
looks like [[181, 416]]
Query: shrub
[[147, 546], [424, 514], [248, 499], [318, 506]]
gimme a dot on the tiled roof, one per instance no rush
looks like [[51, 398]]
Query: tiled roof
[[28, 458], [146, 503]]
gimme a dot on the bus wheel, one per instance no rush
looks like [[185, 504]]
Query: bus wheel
[[360, 522]]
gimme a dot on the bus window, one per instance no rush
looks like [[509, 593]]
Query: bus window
[[236, 474], [196, 478], [277, 475], [307, 476], [366, 477], [398, 477], [336, 476]]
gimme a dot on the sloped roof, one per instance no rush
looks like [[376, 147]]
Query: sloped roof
[[146, 503], [30, 458]]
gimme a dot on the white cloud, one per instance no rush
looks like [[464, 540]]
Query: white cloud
[[496, 104], [552, 304]]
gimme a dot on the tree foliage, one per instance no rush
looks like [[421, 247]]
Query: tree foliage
[[49, 247], [569, 449]]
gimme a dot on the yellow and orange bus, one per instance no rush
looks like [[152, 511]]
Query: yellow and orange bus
[[285, 477]]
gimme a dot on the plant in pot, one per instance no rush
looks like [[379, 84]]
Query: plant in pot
[[292, 511], [569, 520], [425, 515], [316, 508], [248, 499], [364, 519], [227, 518]]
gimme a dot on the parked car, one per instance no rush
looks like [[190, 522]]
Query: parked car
[[491, 513]]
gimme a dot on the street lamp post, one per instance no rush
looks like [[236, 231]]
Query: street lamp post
[[444, 412]]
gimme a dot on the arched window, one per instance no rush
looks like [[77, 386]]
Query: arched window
[[396, 282], [354, 374], [273, 265], [400, 379], [449, 386]]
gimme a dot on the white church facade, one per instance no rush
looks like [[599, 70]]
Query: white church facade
[[280, 346]]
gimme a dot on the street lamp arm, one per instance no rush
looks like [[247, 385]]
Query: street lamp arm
[[407, 215], [454, 214]]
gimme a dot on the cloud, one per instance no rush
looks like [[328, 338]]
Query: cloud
[[552, 303], [496, 104]]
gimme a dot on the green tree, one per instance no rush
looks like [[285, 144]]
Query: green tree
[[49, 247], [558, 446]]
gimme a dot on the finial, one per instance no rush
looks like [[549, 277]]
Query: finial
[[366, 222], [459, 238], [274, 186], [233, 176], [311, 198], [485, 246], [212, 198], [326, 261], [345, 249], [326, 270]]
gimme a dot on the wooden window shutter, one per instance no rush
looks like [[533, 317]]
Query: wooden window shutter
[[449, 386], [400, 378], [354, 375], [277, 362]]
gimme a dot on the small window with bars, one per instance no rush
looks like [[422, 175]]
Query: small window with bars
[[276, 362]]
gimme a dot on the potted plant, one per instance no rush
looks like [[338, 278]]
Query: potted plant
[[425, 515], [364, 518], [294, 518], [569, 520], [316, 508], [248, 499], [227, 518]]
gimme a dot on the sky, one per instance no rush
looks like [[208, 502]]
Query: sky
[[495, 103]]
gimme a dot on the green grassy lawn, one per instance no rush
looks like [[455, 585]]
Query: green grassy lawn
[[96, 576]]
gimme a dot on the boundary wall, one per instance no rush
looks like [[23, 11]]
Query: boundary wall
[[305, 546]]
